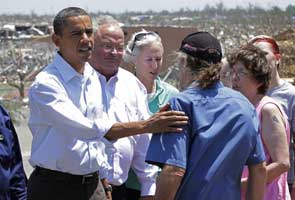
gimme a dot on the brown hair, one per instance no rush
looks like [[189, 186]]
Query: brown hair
[[206, 74], [254, 60]]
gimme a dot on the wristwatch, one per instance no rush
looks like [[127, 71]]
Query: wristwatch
[[108, 188]]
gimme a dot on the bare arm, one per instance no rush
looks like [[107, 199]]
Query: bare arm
[[168, 182], [160, 122], [275, 139], [256, 182]]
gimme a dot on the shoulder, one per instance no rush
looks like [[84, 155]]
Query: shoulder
[[4, 117], [48, 74], [285, 89], [129, 80], [290, 90], [124, 74], [47, 80], [271, 108], [236, 103], [233, 103], [228, 92], [289, 85], [3, 112], [235, 97], [181, 101], [272, 116]]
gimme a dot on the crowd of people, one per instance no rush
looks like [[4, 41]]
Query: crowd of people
[[101, 132]]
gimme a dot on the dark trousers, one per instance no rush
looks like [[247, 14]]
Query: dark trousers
[[119, 193], [123, 193], [132, 194], [47, 184]]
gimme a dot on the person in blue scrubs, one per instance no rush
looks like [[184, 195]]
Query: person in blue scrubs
[[12, 175], [206, 160]]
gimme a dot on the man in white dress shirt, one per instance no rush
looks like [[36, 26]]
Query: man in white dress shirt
[[67, 121], [124, 99]]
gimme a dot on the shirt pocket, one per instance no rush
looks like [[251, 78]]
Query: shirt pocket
[[121, 111], [133, 113], [95, 111]]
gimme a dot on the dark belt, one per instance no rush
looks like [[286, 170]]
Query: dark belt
[[70, 178]]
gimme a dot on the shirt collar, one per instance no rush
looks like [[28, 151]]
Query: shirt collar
[[158, 90], [114, 78], [218, 84], [67, 71]]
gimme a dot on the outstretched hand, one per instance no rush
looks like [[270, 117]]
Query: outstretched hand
[[166, 121]]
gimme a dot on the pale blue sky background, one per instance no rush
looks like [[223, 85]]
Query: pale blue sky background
[[53, 6]]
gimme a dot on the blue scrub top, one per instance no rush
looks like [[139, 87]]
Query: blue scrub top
[[221, 137]]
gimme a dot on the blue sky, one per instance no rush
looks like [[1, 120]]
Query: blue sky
[[53, 6]]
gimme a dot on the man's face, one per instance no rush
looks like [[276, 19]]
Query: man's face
[[108, 50], [76, 42]]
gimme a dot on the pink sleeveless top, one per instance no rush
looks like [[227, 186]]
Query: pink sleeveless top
[[278, 188]]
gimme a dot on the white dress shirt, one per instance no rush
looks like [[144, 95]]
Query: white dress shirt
[[125, 100], [66, 120]]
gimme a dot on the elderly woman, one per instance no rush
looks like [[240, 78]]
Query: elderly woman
[[145, 52], [251, 76]]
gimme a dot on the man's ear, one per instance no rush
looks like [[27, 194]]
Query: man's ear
[[56, 39]]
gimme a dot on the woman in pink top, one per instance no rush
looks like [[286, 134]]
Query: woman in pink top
[[251, 76]]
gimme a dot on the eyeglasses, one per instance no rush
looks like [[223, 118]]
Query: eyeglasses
[[140, 36], [226, 74], [239, 73], [108, 47]]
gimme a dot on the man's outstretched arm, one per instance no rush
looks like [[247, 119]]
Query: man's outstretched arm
[[168, 121]]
